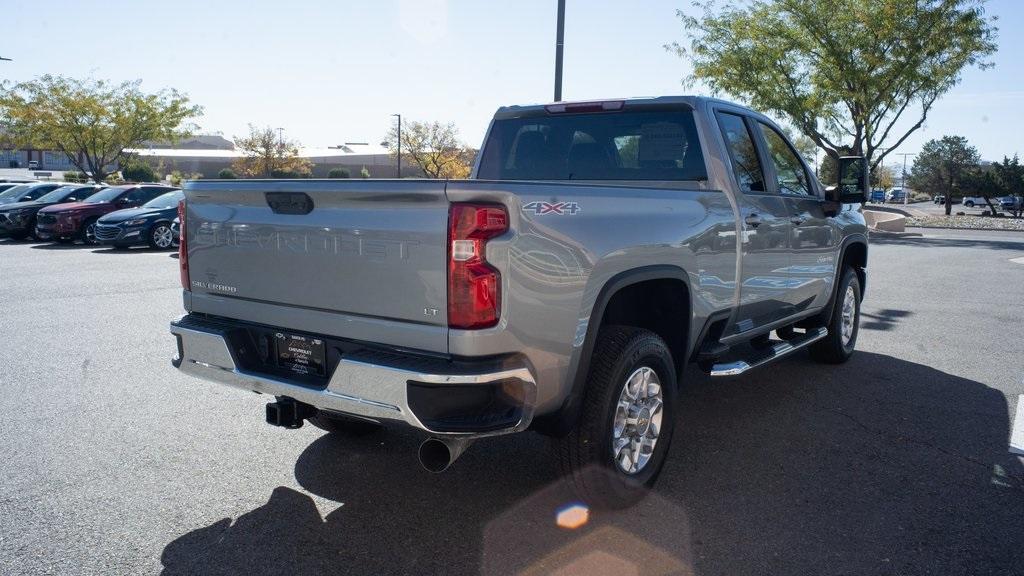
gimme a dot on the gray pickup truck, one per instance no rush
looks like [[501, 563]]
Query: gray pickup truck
[[597, 249]]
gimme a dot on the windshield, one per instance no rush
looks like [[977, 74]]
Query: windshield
[[169, 200], [644, 145], [107, 195], [13, 192]]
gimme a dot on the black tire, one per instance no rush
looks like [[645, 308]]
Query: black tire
[[586, 455], [342, 425], [969, 204], [834, 348], [159, 236], [19, 236], [84, 234]]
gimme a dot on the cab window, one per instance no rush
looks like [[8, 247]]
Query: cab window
[[790, 175]]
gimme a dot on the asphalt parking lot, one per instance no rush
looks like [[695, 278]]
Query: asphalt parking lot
[[895, 463]]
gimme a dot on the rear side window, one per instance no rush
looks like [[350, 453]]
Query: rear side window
[[81, 194], [652, 145], [742, 152]]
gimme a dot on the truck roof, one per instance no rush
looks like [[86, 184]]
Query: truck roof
[[634, 102]]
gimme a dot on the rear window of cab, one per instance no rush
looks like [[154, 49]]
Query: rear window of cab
[[629, 145]]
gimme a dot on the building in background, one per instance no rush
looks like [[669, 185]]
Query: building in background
[[210, 160], [208, 154]]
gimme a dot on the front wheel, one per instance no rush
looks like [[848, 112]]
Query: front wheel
[[88, 233], [969, 204], [843, 325], [616, 451], [160, 236]]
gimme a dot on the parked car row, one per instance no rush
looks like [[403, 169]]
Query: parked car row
[[1013, 203], [881, 196], [120, 216], [1004, 202]]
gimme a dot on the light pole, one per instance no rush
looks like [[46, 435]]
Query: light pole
[[559, 44], [399, 145], [903, 177]]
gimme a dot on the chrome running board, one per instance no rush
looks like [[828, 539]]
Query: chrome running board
[[769, 355]]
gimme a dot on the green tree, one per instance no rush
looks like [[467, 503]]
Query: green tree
[[1010, 175], [828, 171], [843, 72], [267, 154], [982, 182], [227, 174], [434, 147], [942, 167], [95, 123], [136, 170], [339, 173], [883, 177], [364, 173]]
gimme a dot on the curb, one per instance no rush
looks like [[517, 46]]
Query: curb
[[966, 229], [884, 234]]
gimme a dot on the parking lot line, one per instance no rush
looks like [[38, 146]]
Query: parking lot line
[[1017, 435]]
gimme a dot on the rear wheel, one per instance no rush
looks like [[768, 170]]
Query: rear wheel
[[616, 451], [342, 425], [844, 324], [160, 236]]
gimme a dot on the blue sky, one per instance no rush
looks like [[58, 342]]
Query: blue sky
[[333, 72]]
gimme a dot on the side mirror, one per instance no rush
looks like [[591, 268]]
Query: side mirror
[[851, 182]]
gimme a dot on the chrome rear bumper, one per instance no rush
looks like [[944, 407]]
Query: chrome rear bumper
[[368, 384]]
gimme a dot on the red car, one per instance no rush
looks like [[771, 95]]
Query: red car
[[77, 221]]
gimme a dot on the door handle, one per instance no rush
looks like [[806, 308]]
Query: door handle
[[752, 220]]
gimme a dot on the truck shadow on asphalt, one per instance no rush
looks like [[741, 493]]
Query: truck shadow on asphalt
[[879, 466], [884, 319]]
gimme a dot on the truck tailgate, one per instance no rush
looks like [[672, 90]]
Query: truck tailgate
[[364, 260]]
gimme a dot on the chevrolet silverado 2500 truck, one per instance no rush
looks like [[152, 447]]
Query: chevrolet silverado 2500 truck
[[597, 249]]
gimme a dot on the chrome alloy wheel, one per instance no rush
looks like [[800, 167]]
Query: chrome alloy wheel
[[849, 315], [90, 233], [637, 422], [162, 237]]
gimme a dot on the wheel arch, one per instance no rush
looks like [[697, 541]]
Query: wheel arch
[[614, 304], [853, 253]]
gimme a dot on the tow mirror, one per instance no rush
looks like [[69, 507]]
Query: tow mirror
[[851, 182]]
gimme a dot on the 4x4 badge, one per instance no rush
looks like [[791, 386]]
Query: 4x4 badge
[[556, 208]]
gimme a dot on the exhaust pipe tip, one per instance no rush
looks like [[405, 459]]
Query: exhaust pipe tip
[[436, 455]]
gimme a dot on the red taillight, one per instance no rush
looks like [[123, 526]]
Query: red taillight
[[474, 286], [182, 248]]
